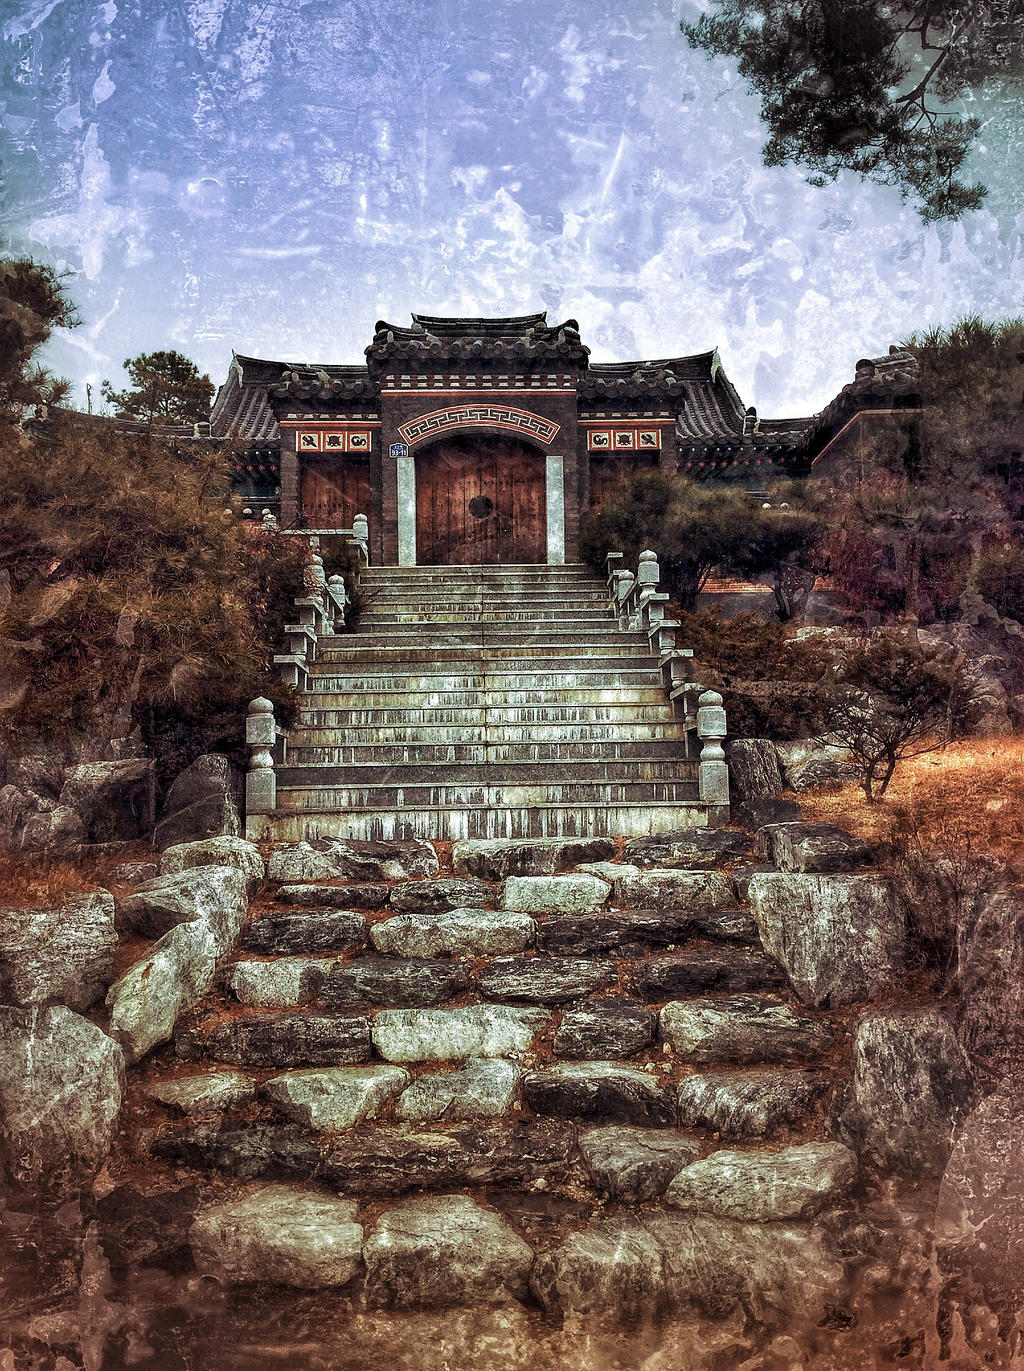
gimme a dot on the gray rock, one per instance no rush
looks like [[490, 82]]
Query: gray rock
[[604, 1028], [227, 851], [281, 1040], [639, 1268], [912, 1086], [177, 971], [822, 772], [494, 860], [775, 1272], [203, 801], [360, 896], [748, 1104], [61, 1082], [694, 849], [116, 801], [605, 1092], [279, 1236], [392, 981], [612, 1271], [694, 891], [841, 939], [792, 1183], [34, 823], [457, 932], [727, 925], [554, 894], [444, 1250], [754, 770], [280, 984], [205, 1093], [742, 1028], [42, 772], [440, 1035], [134, 873], [62, 955], [334, 1098], [979, 1218], [331, 859], [609, 871], [483, 1088], [704, 969], [545, 980], [307, 930], [990, 977], [811, 847], [624, 931], [756, 813], [635, 1164], [211, 893], [435, 896], [743, 875]]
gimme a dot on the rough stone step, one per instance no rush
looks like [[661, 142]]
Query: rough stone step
[[632, 1164], [306, 930], [334, 1098], [446, 823], [443, 1035], [455, 932], [375, 980], [601, 1092], [749, 1104], [575, 794], [745, 1029], [380, 1160], [481, 1088], [302, 1039], [761, 1187], [508, 774], [581, 751], [699, 970]]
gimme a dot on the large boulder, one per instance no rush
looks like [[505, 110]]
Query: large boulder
[[178, 970], [444, 1250], [979, 1217], [754, 770], [115, 800], [34, 823], [204, 801], [840, 938], [990, 973], [239, 853], [279, 1236], [334, 859], [912, 1085], [810, 847], [157, 906], [61, 1082], [58, 955]]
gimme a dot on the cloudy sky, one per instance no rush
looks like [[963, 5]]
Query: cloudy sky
[[272, 176]]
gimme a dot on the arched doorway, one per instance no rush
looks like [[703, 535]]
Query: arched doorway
[[480, 499]]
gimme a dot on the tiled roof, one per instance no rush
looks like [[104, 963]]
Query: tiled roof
[[242, 407], [888, 382]]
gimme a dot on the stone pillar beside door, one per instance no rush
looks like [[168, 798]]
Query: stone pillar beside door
[[555, 506], [406, 473]]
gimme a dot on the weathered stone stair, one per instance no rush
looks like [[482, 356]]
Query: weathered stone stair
[[612, 1039], [484, 702]]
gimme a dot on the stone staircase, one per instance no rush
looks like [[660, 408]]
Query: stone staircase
[[484, 702], [570, 1079]]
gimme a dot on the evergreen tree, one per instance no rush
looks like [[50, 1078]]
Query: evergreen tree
[[166, 388], [867, 86]]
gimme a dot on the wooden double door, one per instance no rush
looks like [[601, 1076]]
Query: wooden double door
[[334, 492], [480, 500]]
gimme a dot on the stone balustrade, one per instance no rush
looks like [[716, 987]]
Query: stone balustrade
[[640, 607], [268, 748]]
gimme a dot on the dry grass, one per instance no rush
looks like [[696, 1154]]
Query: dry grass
[[971, 792], [28, 883]]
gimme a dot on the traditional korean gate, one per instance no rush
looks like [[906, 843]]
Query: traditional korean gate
[[479, 500], [333, 493]]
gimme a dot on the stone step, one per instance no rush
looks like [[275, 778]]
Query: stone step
[[353, 648], [379, 620], [475, 663], [442, 601], [508, 796], [482, 753], [476, 574], [500, 774], [491, 716], [326, 679], [570, 736], [447, 823]]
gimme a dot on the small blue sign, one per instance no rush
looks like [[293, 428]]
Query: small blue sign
[[399, 449]]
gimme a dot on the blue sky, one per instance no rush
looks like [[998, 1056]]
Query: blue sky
[[273, 176]]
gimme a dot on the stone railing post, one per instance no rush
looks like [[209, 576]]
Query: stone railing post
[[711, 730], [361, 536], [260, 738]]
